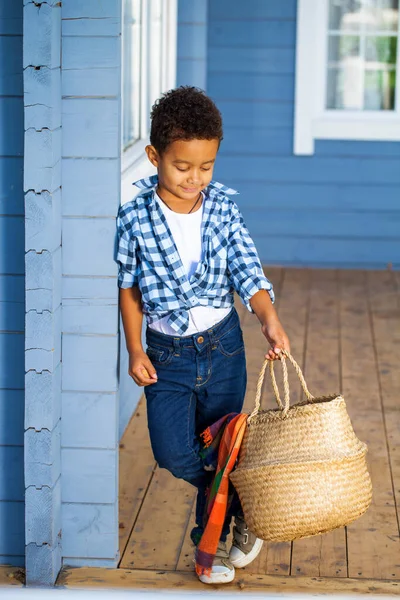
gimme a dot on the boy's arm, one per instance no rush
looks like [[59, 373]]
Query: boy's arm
[[140, 366], [270, 324]]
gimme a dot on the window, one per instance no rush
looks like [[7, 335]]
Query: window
[[347, 75], [148, 68]]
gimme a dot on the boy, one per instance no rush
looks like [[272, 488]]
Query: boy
[[183, 249]]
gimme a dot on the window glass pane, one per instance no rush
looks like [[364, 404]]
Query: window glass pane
[[382, 15], [361, 69], [381, 50], [379, 90], [342, 46], [131, 71], [346, 14], [345, 87]]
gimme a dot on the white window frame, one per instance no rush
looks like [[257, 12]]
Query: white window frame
[[311, 119], [134, 162]]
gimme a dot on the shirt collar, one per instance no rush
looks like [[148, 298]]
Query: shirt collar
[[148, 183]]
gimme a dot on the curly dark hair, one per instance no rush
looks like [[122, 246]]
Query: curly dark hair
[[185, 113]]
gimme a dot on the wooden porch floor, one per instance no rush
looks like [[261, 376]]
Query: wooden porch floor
[[344, 329]]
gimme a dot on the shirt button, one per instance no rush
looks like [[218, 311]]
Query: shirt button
[[200, 339]]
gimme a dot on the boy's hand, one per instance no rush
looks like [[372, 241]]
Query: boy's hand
[[277, 337], [140, 368]]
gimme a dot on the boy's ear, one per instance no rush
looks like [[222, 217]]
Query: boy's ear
[[152, 155]]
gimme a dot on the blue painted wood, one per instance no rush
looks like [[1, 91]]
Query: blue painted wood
[[14, 561], [322, 252], [11, 18], [43, 515], [89, 187], [253, 34], [348, 148], [44, 563], [11, 190], [305, 170], [339, 223], [12, 531], [86, 419], [43, 287], [90, 530], [88, 246], [89, 475], [42, 457], [243, 86], [12, 306], [11, 139], [97, 354], [11, 229], [81, 135], [192, 12], [43, 356], [99, 83], [110, 563], [12, 360], [43, 170], [42, 98], [89, 287], [253, 114], [12, 477], [92, 10], [319, 196], [192, 41], [192, 72], [11, 417], [251, 60], [44, 25], [43, 221], [45, 390], [129, 392], [11, 69], [93, 317], [98, 52], [273, 141], [226, 9]]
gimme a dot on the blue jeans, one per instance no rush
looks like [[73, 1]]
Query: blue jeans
[[201, 378]]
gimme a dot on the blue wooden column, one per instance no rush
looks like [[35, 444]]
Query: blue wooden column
[[42, 185], [91, 181]]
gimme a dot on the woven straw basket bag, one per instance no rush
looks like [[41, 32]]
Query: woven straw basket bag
[[301, 469]]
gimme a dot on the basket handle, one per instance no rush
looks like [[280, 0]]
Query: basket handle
[[284, 408]]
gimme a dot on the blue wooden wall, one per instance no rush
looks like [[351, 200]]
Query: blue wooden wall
[[91, 175], [12, 287], [337, 208]]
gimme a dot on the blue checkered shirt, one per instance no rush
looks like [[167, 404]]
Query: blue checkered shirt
[[147, 257]]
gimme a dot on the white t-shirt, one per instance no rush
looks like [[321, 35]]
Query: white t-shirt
[[186, 231]]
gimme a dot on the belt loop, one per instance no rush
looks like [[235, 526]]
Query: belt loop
[[212, 339], [177, 346]]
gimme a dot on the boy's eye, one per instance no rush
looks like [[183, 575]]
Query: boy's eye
[[182, 170], [209, 168]]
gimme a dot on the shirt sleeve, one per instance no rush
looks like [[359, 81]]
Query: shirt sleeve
[[126, 248], [243, 262]]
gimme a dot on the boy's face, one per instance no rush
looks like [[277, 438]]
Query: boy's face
[[185, 168]]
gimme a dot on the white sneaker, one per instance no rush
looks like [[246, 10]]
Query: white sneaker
[[245, 547], [222, 570]]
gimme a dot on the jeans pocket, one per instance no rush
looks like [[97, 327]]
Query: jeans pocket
[[159, 354], [232, 342]]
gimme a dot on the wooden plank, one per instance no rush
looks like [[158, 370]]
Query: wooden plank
[[241, 86], [86, 577], [12, 576], [261, 34], [134, 475], [158, 534], [322, 555], [372, 550]]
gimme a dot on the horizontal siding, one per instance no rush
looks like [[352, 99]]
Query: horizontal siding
[[339, 207], [192, 43], [12, 287], [91, 173]]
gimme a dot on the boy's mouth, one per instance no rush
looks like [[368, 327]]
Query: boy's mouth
[[189, 190]]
